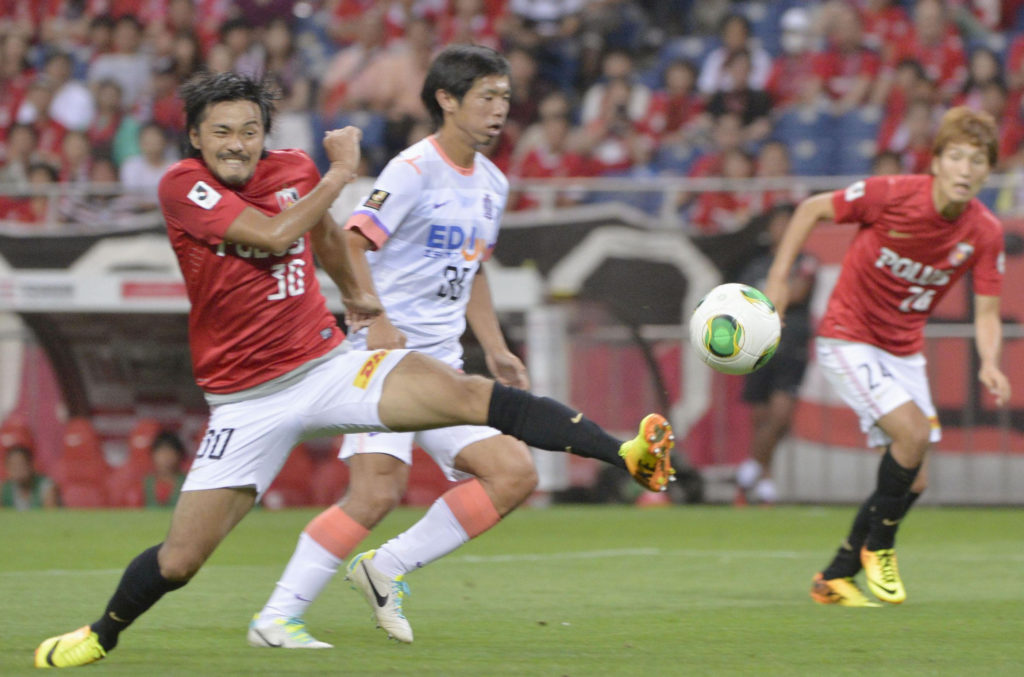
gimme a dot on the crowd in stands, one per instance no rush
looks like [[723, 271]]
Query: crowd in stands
[[88, 88]]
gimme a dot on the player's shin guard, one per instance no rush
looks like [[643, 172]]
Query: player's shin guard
[[889, 502], [141, 586], [547, 424]]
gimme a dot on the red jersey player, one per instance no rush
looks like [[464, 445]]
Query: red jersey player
[[243, 221], [917, 236]]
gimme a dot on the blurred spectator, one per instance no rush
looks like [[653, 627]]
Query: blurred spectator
[[35, 110], [751, 105], [261, 13], [886, 26], [548, 154], [612, 141], [773, 163], [15, 76], [909, 84], [128, 64], [345, 19], [726, 135], [527, 91], [25, 488], [936, 45], [19, 153], [186, 55], [549, 29], [792, 79], [99, 38], [913, 138], [391, 84], [467, 21], [846, 68], [351, 60], [283, 65], [675, 111], [725, 211], [886, 163], [167, 109], [72, 105], [75, 157], [735, 35], [162, 487], [772, 390], [34, 209], [141, 174], [617, 71], [243, 53], [983, 68], [993, 98], [109, 118]]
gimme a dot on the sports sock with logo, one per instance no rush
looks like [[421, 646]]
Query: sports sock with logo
[[141, 586], [463, 512], [889, 502], [547, 424], [326, 541]]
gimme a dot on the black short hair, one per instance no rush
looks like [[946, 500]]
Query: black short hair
[[207, 88], [170, 439], [455, 70]]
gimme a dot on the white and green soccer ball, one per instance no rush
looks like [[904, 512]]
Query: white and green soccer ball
[[735, 328]]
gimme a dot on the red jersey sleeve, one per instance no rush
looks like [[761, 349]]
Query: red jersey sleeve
[[862, 201], [197, 203], [987, 274]]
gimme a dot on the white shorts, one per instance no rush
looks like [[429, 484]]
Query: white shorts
[[247, 442], [441, 444], [874, 382]]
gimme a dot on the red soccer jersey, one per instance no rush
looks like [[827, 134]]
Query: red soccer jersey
[[255, 314], [904, 259]]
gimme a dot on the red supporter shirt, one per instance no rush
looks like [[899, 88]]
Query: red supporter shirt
[[839, 71], [255, 315], [903, 260]]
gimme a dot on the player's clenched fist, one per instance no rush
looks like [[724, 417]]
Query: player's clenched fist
[[342, 146]]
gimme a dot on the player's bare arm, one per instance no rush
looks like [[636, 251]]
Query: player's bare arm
[[381, 333], [503, 364], [807, 215], [362, 304], [277, 233], [988, 336]]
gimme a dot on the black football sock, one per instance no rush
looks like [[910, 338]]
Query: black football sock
[[547, 424], [889, 502], [846, 562], [140, 587]]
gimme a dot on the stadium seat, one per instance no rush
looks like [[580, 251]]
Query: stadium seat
[[15, 431], [293, 485], [81, 471], [810, 136], [856, 134], [124, 486]]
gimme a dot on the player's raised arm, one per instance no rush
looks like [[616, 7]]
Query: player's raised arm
[[362, 305], [276, 233], [807, 215], [988, 337]]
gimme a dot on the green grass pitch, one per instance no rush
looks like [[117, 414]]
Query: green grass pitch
[[575, 591]]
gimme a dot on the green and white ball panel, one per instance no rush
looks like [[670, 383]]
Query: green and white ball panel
[[735, 328]]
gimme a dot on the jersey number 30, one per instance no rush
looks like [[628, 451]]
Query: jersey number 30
[[291, 279]]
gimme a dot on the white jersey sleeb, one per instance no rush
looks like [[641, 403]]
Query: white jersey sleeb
[[432, 224]]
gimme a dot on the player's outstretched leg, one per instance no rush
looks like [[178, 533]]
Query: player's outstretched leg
[[384, 594]]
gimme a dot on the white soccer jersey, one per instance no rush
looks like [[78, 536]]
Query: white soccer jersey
[[433, 223]]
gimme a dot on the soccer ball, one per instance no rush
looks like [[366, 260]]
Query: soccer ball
[[735, 328]]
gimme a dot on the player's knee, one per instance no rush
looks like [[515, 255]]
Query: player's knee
[[516, 477], [179, 564]]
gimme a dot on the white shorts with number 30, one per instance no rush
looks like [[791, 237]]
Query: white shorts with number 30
[[247, 442], [874, 382]]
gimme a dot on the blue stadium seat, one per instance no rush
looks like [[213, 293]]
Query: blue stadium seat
[[856, 133], [810, 136]]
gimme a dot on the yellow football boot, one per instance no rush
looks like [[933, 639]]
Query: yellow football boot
[[80, 647], [883, 575], [648, 454], [841, 591]]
